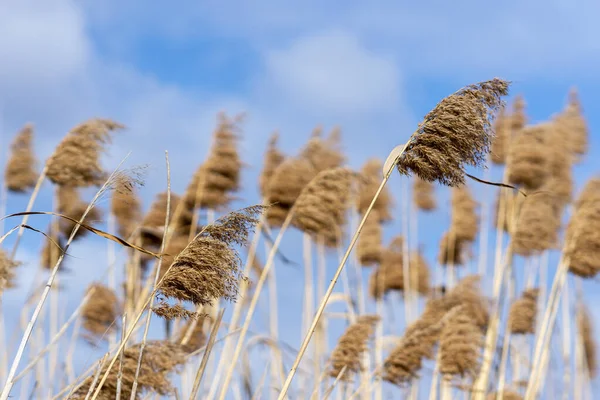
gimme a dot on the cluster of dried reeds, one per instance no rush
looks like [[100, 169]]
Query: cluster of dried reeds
[[369, 249], [20, 174], [101, 310], [7, 271], [370, 177], [523, 313], [126, 207], [461, 341], [71, 205], [424, 194], [464, 225], [351, 346], [588, 340]]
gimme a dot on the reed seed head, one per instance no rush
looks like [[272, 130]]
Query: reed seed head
[[322, 153], [20, 174], [527, 163], [518, 118], [76, 160], [368, 248], [586, 331], [153, 223], [538, 225], [351, 346], [502, 137], [452, 251], [70, 204], [582, 237], [369, 181], [461, 341], [456, 133], [464, 221], [273, 158], [505, 395], [100, 312], [322, 205], [209, 268], [523, 313], [7, 271], [424, 194], [126, 207], [50, 253]]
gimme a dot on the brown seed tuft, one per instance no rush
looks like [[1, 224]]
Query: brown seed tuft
[[464, 221], [20, 174], [528, 161], [390, 274], [273, 158], [370, 179], [369, 248], [452, 251], [572, 124], [209, 268], [506, 395], [424, 194], [538, 225], [502, 137], [192, 334], [160, 358], [154, 221], [324, 154], [518, 118], [461, 341], [582, 237], [76, 160], [510, 201], [50, 253], [351, 346], [71, 205], [7, 273], [322, 205], [101, 311], [586, 330], [126, 207], [456, 133], [523, 313]]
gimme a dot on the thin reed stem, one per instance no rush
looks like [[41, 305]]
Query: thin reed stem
[[206, 356], [309, 299], [566, 342], [336, 276], [156, 279], [277, 372], [120, 372]]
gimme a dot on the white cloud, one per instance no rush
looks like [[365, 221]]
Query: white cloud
[[334, 72]]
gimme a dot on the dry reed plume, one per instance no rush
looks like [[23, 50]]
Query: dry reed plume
[[451, 250], [586, 331], [509, 202], [461, 341], [370, 177], [20, 174], [424, 194], [50, 253], [7, 271], [502, 137], [209, 268], [518, 117], [324, 153], [153, 223], [523, 313], [538, 226], [582, 237], [101, 310], [351, 346], [322, 205], [192, 335], [368, 248], [273, 158], [456, 133], [464, 221], [71, 205], [126, 207], [506, 395], [572, 124], [160, 359], [76, 159], [528, 163], [390, 273]]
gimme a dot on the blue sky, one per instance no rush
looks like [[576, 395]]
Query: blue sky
[[166, 69]]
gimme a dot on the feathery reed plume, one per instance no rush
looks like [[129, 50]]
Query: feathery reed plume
[[506, 395], [573, 124], [273, 158], [176, 245], [20, 174], [370, 177], [464, 221], [518, 118], [101, 311], [502, 137], [461, 341], [351, 346], [528, 164], [196, 339], [390, 274], [582, 238], [539, 223], [523, 313], [456, 133], [322, 153], [160, 359], [126, 207], [467, 294], [452, 250], [214, 180], [71, 205], [154, 220], [417, 344], [286, 184], [322, 205], [586, 330], [209, 267], [368, 248], [7, 273], [50, 253], [424, 194], [75, 161]]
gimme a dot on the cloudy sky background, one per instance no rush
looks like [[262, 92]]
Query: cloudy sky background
[[166, 70]]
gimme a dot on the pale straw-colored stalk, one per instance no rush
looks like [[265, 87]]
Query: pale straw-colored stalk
[[309, 299], [276, 366], [336, 276], [26, 335], [566, 342], [156, 279], [206, 355], [506, 342], [406, 270], [120, 371]]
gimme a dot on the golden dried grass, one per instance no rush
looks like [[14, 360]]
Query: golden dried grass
[[20, 174], [523, 313], [351, 346]]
